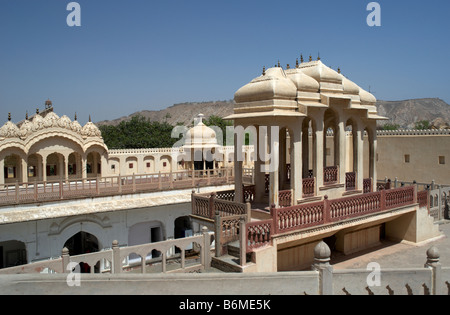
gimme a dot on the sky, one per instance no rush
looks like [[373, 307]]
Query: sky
[[137, 55]]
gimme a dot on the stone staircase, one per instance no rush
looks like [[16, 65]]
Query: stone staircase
[[230, 261]]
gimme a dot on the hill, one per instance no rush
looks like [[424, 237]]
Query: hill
[[403, 113]]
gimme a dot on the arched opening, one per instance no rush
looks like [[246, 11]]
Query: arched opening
[[73, 165], [12, 253], [83, 243], [93, 164], [12, 168], [54, 166], [331, 150], [183, 227]]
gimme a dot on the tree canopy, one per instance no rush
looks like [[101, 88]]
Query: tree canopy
[[138, 133]]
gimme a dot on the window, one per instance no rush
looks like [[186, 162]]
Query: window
[[130, 165], [148, 164], [164, 164], [113, 167], [442, 160], [407, 158]]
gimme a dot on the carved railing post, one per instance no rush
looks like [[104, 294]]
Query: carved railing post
[[65, 259], [116, 263], [433, 263], [206, 255], [242, 241], [217, 234], [322, 254]]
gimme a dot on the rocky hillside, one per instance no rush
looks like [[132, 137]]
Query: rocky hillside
[[403, 113]]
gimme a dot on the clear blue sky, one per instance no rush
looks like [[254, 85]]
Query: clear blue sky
[[147, 55]]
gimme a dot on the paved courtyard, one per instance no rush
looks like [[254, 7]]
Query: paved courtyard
[[398, 255]]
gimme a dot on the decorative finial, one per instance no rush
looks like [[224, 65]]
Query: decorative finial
[[318, 56], [288, 66], [339, 70], [301, 58], [90, 120], [310, 58], [264, 71], [9, 116], [26, 115], [296, 63], [75, 116], [48, 104], [279, 66], [37, 111]]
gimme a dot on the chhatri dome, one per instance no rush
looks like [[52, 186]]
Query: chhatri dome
[[291, 91], [200, 136]]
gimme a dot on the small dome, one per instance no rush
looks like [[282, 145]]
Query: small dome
[[9, 130], [64, 122], [273, 85], [38, 122], [367, 98], [51, 120], [303, 82], [320, 72], [90, 130], [75, 126], [349, 86], [200, 135], [26, 129]]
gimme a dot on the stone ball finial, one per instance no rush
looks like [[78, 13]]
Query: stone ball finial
[[433, 254], [65, 251], [322, 252]]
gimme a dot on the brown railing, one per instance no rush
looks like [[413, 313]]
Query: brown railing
[[367, 185], [259, 234], [350, 181], [422, 198], [330, 175], [207, 206], [309, 187], [285, 198], [22, 193]]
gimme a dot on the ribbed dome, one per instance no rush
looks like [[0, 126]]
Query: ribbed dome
[[272, 85], [200, 135], [9, 130], [26, 129], [90, 130], [51, 120], [303, 82]]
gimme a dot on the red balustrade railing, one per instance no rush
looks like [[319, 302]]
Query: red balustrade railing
[[298, 217], [330, 175], [422, 198], [285, 198], [350, 181], [309, 187], [259, 234]]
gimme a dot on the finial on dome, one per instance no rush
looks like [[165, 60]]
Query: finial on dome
[[37, 111], [75, 116], [301, 58], [288, 66], [310, 58], [90, 120], [26, 115], [279, 66], [9, 116], [318, 56], [296, 63], [339, 70], [264, 71], [200, 118]]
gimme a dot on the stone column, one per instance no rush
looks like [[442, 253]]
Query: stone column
[[24, 173], [44, 167], [360, 157], [238, 181], [297, 162], [274, 148], [341, 155], [83, 166], [318, 156], [259, 174], [2, 171]]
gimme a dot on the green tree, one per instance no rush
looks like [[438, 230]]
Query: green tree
[[390, 126], [138, 133]]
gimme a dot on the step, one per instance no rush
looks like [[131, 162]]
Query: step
[[234, 249], [226, 263]]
